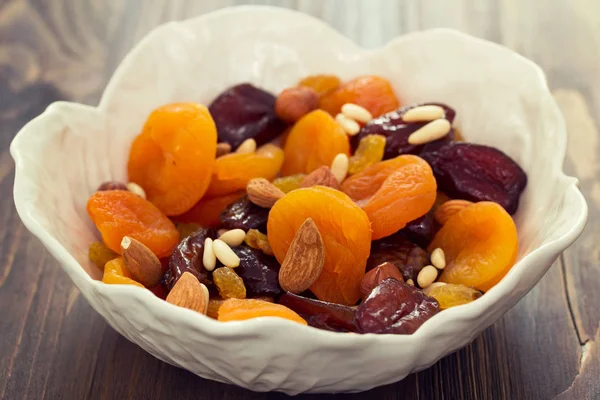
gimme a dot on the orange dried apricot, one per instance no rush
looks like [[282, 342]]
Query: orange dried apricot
[[116, 273], [371, 92], [118, 213], [207, 211], [173, 157], [346, 234], [314, 141], [393, 192], [242, 309], [233, 171], [322, 84], [451, 295], [480, 244]]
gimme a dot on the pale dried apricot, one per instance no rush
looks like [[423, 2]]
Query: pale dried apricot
[[322, 84], [242, 309]]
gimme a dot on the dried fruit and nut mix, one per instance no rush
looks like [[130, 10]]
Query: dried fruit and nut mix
[[331, 205]]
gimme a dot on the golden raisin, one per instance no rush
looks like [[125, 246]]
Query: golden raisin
[[451, 295], [100, 254], [370, 151], [230, 285], [258, 240], [288, 183]]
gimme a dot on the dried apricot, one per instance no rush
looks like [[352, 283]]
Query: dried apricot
[[322, 84], [314, 141], [369, 152], [288, 183], [393, 192], [238, 310], [450, 295], [346, 233], [233, 171], [371, 92], [99, 254], [116, 273], [207, 212], [480, 244], [117, 213], [173, 157]]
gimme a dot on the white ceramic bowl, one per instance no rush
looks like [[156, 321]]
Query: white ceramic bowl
[[501, 99]]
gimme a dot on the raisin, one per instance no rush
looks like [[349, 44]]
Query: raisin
[[394, 307], [187, 256], [397, 132], [421, 230], [258, 240], [478, 173], [259, 272], [398, 250], [99, 254], [288, 183], [370, 150], [243, 112], [321, 314], [230, 285], [112, 185], [243, 214]]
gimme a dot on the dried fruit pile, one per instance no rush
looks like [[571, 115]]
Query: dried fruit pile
[[331, 205]]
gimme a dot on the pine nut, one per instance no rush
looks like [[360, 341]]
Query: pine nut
[[434, 285], [423, 114], [438, 259], [350, 126], [234, 237], [432, 131], [224, 254], [247, 146], [136, 189], [209, 260], [411, 282], [339, 167], [356, 112], [427, 276]]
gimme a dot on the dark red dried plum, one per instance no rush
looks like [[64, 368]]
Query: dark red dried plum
[[321, 314], [260, 272], [421, 230], [394, 307], [478, 173], [404, 254], [397, 132], [187, 256], [243, 214], [243, 112]]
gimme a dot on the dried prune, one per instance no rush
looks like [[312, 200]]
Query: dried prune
[[421, 230], [187, 256], [396, 131], [230, 285], [243, 214], [398, 250], [243, 112], [394, 307], [321, 314], [259, 271], [478, 173]]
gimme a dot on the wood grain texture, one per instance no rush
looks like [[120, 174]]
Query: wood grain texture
[[53, 345]]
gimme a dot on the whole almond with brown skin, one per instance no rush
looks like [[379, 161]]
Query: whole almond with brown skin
[[294, 103], [263, 193], [144, 266], [321, 176], [373, 278], [189, 293], [449, 208], [304, 260]]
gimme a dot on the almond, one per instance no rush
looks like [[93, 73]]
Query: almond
[[263, 193], [449, 208], [320, 176], [374, 277], [144, 266], [304, 260], [189, 293], [294, 103]]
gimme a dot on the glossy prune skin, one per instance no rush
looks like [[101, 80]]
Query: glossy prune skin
[[187, 257], [407, 256], [259, 272], [396, 131], [394, 307], [243, 214], [421, 230], [244, 112], [478, 173], [321, 314]]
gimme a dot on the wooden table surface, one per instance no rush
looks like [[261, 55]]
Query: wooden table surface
[[53, 345]]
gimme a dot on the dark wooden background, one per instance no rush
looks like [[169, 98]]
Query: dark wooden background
[[53, 345]]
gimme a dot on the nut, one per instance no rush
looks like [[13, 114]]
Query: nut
[[410, 282], [321, 176], [294, 103], [432, 131], [263, 193], [144, 266], [423, 114], [350, 126], [374, 277], [136, 189], [434, 285], [247, 146], [427, 276], [438, 258], [224, 254], [189, 293], [209, 260], [111, 185], [223, 148], [304, 260], [356, 112], [234, 237], [449, 208], [339, 167]]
